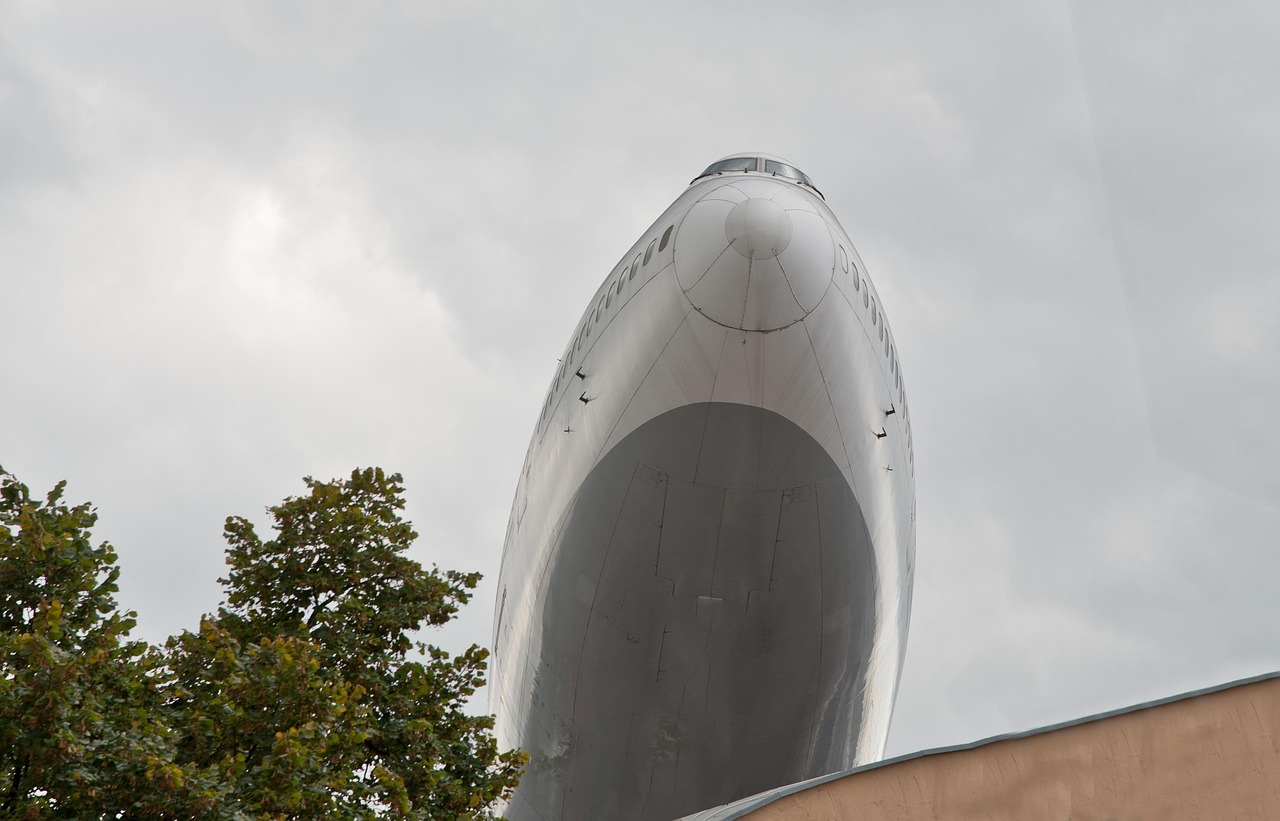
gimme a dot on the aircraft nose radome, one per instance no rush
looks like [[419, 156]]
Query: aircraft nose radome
[[754, 255], [758, 228]]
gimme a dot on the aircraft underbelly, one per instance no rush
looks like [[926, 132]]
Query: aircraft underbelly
[[707, 622]]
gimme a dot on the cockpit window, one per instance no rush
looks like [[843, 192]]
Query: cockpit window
[[733, 164], [744, 164], [784, 170]]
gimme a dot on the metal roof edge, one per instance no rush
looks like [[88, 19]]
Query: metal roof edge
[[739, 808]]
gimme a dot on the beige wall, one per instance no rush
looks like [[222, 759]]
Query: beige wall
[[1210, 756]]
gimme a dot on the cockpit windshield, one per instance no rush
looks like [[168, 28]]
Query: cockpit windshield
[[758, 164], [781, 169], [734, 164]]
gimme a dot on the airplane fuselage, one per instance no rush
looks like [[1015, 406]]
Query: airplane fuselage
[[706, 581]]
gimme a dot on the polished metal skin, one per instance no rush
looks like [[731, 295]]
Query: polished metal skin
[[706, 581]]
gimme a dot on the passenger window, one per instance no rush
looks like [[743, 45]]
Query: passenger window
[[857, 281], [666, 235], [865, 295], [844, 260], [648, 254], [882, 332], [635, 266], [873, 312]]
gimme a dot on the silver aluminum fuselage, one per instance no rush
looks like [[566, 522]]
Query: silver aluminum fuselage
[[706, 581]]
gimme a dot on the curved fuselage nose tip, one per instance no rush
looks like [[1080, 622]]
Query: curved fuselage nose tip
[[758, 228], [754, 254]]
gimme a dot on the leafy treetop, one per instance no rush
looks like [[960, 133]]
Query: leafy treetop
[[302, 697]]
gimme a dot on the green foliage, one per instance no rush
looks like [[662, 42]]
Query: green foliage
[[306, 686], [81, 733], [336, 573], [304, 697], [280, 734]]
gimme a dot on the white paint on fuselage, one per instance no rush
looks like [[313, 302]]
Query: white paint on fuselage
[[643, 348]]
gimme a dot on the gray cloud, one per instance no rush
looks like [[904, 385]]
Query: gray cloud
[[249, 243], [1185, 115]]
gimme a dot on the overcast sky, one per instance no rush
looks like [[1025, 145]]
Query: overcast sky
[[241, 243]]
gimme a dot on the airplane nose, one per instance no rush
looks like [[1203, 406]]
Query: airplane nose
[[758, 228], [755, 255]]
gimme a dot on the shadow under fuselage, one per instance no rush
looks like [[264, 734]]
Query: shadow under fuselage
[[707, 622]]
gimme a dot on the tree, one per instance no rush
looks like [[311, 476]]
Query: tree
[[305, 696], [303, 690], [80, 729]]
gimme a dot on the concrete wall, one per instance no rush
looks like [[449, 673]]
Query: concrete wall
[[1213, 755]]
